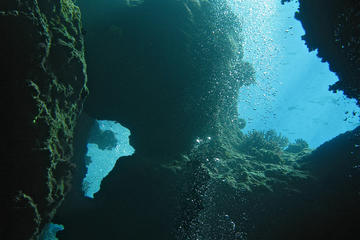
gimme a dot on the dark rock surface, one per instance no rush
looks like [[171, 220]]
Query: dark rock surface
[[221, 190], [104, 139], [43, 83], [310, 195], [158, 64], [169, 71], [336, 190], [224, 185]]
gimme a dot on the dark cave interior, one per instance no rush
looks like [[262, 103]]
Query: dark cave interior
[[154, 66]]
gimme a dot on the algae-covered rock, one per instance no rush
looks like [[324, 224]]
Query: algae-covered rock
[[298, 146], [44, 87], [162, 63], [167, 71], [245, 195]]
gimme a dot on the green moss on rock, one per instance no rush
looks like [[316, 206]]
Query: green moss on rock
[[45, 77]]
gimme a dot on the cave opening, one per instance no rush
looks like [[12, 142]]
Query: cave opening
[[291, 94], [108, 141], [183, 76], [237, 135]]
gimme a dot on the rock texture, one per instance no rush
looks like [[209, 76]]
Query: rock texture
[[305, 195], [157, 64], [170, 76], [169, 71], [43, 90], [227, 187]]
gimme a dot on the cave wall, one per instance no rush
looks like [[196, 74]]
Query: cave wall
[[160, 81], [157, 64], [43, 79], [170, 72]]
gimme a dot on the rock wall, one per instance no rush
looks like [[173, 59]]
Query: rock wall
[[169, 71], [305, 195], [43, 90], [157, 64], [155, 67], [230, 187]]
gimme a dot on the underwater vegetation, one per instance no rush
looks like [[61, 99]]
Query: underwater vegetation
[[194, 174], [269, 140], [272, 42], [43, 74], [170, 72], [298, 146]]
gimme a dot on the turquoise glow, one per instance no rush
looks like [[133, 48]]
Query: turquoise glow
[[50, 230], [291, 92], [103, 161]]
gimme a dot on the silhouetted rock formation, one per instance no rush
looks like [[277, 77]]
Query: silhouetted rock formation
[[103, 139], [332, 27], [163, 69], [43, 90], [160, 80], [170, 71]]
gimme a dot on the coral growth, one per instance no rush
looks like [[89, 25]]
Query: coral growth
[[298, 146], [268, 140]]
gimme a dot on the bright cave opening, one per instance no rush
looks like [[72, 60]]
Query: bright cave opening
[[291, 93], [290, 96], [108, 141]]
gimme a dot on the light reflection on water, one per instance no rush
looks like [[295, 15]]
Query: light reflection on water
[[103, 161], [291, 91]]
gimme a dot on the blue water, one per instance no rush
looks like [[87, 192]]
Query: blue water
[[290, 95], [291, 91], [49, 231], [103, 161]]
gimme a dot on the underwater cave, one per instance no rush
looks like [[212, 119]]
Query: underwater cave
[[291, 92], [181, 119]]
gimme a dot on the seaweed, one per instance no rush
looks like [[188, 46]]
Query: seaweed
[[299, 145], [268, 140]]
